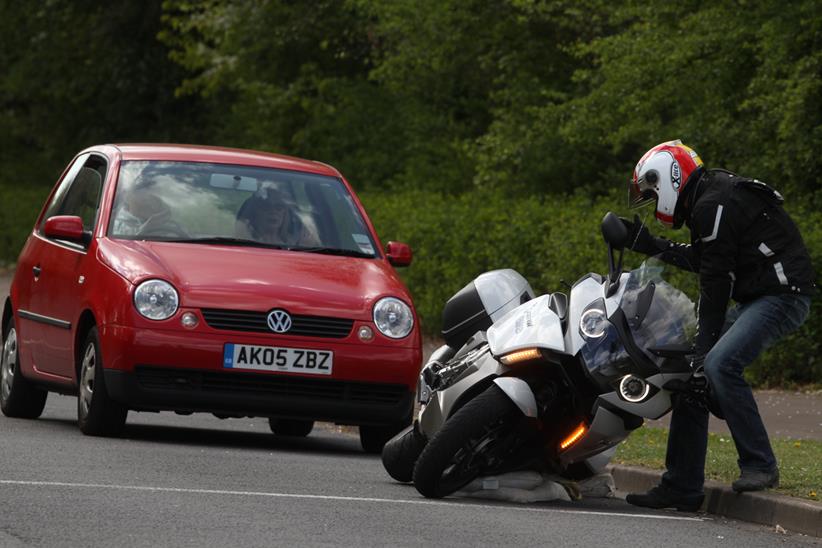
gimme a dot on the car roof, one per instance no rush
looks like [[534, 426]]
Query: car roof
[[220, 155]]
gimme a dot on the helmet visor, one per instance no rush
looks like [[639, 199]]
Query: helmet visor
[[640, 193]]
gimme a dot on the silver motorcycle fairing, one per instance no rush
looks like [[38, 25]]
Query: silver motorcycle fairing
[[583, 294], [500, 291], [652, 408], [606, 430], [520, 393], [530, 325], [598, 462], [443, 402]]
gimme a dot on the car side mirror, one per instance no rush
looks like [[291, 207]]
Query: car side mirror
[[613, 231], [399, 254], [65, 227]]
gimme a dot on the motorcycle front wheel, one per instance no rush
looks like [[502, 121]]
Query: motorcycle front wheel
[[477, 439]]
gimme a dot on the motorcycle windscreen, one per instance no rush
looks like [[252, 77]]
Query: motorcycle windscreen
[[659, 314]]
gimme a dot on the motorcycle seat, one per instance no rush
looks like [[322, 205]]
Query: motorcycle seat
[[558, 302]]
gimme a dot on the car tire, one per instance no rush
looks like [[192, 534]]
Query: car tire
[[19, 398], [97, 413], [374, 438], [291, 427], [400, 454]]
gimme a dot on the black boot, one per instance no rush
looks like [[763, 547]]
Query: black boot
[[662, 497], [754, 480]]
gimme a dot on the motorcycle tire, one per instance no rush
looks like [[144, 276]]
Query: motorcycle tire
[[400, 454], [467, 444]]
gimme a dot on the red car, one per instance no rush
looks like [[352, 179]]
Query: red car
[[199, 279]]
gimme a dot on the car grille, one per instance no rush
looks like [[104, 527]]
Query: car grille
[[156, 378], [308, 326]]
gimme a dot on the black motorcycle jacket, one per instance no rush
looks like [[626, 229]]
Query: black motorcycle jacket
[[743, 246]]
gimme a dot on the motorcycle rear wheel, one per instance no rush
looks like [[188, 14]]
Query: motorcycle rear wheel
[[475, 440]]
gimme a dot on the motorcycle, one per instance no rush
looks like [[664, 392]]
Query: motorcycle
[[545, 383]]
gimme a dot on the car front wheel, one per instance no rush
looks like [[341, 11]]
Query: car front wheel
[[97, 413], [18, 397]]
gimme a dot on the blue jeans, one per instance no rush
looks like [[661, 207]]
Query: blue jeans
[[749, 329]]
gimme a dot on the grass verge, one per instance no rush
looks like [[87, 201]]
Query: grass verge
[[800, 461]]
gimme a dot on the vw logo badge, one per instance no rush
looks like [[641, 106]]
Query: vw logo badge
[[279, 321]]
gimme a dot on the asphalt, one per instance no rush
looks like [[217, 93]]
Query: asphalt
[[786, 414], [199, 481]]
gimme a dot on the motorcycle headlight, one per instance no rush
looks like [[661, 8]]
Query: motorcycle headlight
[[156, 299], [594, 321], [393, 317]]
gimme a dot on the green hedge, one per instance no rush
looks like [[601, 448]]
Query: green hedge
[[550, 240], [19, 206]]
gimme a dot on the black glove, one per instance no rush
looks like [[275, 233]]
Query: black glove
[[639, 237], [696, 390]]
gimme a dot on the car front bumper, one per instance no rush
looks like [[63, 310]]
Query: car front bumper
[[181, 371]]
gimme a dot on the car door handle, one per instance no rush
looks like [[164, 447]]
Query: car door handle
[[37, 270]]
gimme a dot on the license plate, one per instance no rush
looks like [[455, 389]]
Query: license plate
[[272, 358]]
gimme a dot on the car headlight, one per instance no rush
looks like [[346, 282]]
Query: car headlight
[[393, 317], [594, 321], [156, 299]]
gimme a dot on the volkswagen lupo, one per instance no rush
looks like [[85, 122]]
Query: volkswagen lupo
[[199, 279]]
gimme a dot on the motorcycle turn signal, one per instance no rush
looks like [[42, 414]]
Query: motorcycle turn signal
[[521, 356]]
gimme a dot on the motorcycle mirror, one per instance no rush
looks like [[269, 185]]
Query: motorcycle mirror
[[616, 236], [613, 231]]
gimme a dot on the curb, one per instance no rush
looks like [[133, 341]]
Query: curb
[[765, 508]]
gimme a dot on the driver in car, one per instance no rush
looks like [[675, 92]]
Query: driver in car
[[144, 213], [743, 246], [270, 218]]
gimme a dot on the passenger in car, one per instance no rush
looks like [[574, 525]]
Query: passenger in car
[[144, 213], [269, 217]]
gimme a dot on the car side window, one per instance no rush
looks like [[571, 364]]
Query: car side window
[[82, 198], [60, 193]]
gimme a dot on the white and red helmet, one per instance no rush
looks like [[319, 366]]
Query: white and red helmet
[[661, 175]]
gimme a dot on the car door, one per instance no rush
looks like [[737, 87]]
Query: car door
[[30, 328], [59, 271]]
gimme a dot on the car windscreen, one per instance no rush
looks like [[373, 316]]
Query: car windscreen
[[237, 205]]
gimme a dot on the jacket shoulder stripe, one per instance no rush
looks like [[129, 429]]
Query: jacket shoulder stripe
[[713, 234]]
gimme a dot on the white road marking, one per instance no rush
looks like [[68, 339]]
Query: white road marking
[[427, 502]]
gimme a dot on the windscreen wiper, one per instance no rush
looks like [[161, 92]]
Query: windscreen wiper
[[225, 240], [335, 251]]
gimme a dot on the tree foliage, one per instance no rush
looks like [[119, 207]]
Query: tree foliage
[[80, 72], [740, 81], [523, 95]]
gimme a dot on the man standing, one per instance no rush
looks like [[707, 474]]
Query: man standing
[[743, 246]]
